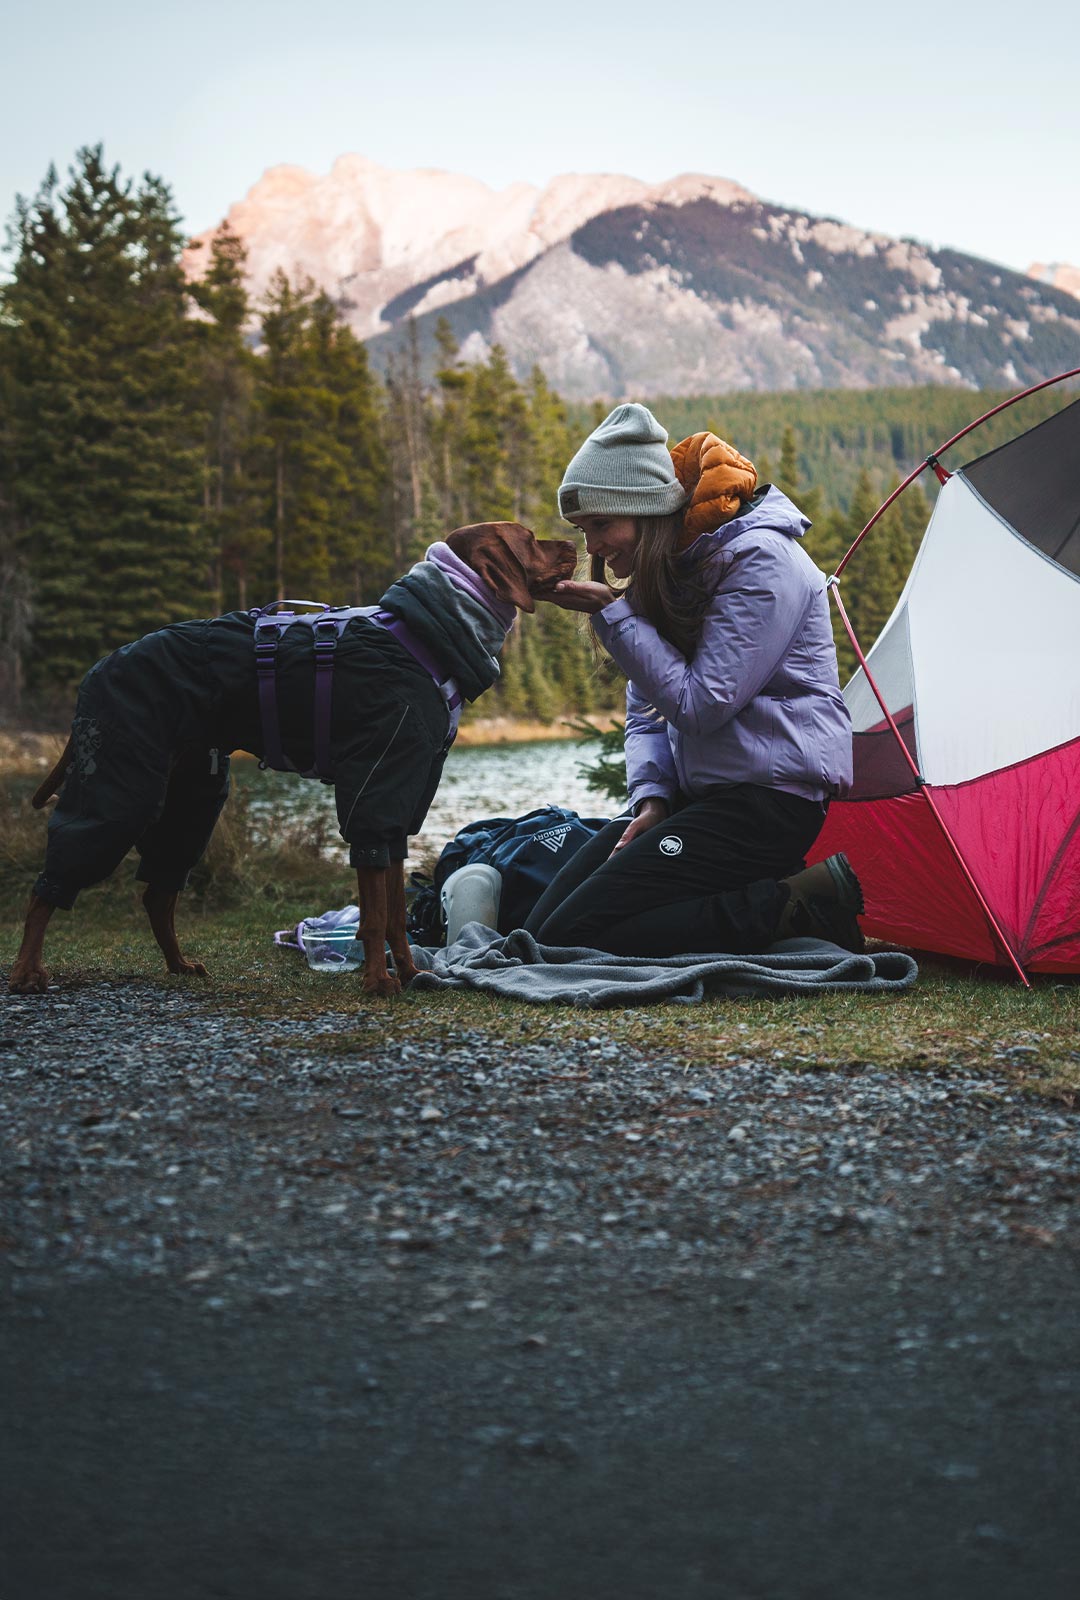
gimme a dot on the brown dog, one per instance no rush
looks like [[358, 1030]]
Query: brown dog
[[147, 762]]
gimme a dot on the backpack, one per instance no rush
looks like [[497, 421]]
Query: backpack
[[527, 851]]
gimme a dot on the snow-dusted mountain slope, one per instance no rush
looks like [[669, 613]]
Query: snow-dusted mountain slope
[[616, 287]]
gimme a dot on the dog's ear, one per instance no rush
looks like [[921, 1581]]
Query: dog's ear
[[499, 553]]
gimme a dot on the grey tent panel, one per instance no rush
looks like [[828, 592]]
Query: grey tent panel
[[1033, 483]]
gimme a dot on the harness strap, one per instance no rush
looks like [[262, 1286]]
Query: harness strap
[[326, 638], [267, 634], [326, 626], [405, 636], [269, 627]]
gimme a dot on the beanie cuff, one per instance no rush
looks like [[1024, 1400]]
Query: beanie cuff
[[605, 500]]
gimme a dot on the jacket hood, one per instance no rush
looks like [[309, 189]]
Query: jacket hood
[[770, 511], [718, 480]]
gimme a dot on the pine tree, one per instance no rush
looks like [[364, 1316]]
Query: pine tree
[[406, 445], [107, 422], [359, 562], [15, 607], [446, 413], [293, 458], [787, 477], [551, 445], [227, 371], [870, 581], [318, 452], [492, 426]]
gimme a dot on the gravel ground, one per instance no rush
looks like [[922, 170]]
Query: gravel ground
[[289, 1314]]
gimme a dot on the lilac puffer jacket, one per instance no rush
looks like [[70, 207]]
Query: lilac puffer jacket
[[760, 701]]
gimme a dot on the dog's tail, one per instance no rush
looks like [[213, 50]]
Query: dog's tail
[[52, 783]]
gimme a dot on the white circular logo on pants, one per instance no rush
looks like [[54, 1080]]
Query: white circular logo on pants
[[670, 844]]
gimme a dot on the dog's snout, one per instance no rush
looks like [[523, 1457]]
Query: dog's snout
[[563, 554], [558, 561]]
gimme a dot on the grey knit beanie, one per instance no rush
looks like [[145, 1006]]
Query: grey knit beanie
[[622, 470]]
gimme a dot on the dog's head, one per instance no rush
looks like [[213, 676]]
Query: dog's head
[[513, 562]]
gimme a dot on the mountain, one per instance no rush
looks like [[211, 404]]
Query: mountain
[[1059, 275], [616, 287]]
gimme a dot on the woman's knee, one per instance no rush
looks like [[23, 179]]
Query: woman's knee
[[578, 871], [577, 922]]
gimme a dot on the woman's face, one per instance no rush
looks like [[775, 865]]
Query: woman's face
[[613, 538]]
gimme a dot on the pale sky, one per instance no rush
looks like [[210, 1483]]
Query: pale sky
[[957, 124]]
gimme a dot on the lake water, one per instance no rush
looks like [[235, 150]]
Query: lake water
[[484, 781]]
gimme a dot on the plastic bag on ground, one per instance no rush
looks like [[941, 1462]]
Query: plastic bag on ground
[[328, 942]]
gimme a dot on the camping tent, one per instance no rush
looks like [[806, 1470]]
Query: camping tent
[[964, 819]]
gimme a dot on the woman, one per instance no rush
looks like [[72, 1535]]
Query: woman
[[737, 735]]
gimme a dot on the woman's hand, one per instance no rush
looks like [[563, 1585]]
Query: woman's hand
[[652, 812], [574, 596]]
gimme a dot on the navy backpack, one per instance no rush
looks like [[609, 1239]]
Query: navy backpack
[[528, 851]]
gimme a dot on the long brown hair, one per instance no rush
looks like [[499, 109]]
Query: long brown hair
[[669, 588]]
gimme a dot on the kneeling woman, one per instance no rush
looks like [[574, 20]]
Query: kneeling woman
[[737, 735]]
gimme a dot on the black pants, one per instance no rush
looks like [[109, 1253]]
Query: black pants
[[703, 880]]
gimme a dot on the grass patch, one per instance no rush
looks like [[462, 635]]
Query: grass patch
[[948, 1022]]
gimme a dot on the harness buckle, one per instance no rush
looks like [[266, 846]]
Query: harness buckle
[[267, 638], [326, 635]]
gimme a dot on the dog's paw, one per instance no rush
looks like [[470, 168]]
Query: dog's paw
[[385, 985], [188, 969], [28, 977]]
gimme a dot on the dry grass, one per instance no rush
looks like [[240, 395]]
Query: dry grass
[[240, 867], [23, 754]]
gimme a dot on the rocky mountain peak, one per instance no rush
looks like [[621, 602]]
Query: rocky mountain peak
[[619, 287]]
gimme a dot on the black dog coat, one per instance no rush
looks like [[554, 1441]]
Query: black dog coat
[[155, 723]]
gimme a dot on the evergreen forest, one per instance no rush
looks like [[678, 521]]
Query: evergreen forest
[[170, 449]]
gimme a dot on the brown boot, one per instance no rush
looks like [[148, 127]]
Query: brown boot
[[824, 902]]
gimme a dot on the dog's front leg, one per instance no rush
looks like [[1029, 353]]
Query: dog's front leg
[[396, 936], [372, 893], [28, 975], [160, 907]]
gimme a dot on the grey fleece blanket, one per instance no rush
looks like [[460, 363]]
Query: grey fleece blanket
[[515, 967]]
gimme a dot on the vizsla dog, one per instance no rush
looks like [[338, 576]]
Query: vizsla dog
[[365, 698]]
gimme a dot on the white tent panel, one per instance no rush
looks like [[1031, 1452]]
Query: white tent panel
[[890, 663], [889, 659], [995, 644]]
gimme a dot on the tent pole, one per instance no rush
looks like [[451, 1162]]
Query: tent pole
[[924, 790]]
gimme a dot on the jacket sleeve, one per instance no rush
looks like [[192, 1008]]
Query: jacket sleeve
[[755, 614], [650, 765]]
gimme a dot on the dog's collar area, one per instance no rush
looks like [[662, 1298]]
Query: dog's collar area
[[465, 577]]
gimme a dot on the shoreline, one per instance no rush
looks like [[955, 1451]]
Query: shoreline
[[29, 750], [515, 730]]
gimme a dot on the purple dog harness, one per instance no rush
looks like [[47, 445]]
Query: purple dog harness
[[327, 625]]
